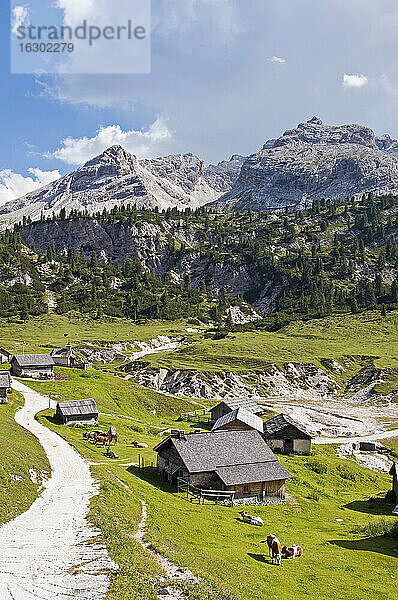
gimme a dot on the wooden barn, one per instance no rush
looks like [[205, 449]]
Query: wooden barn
[[238, 461], [229, 404], [4, 356], [83, 412], [32, 365], [64, 357], [239, 419], [284, 435], [394, 473], [5, 386]]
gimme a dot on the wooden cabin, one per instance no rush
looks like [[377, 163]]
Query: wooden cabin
[[394, 473], [64, 357], [238, 461], [4, 356], [282, 434], [229, 404], [32, 365], [72, 412], [5, 386], [239, 419]]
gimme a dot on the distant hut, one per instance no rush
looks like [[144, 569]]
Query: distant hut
[[4, 356], [238, 461], [239, 419], [64, 357], [5, 386], [285, 435], [394, 473], [32, 365], [229, 404], [84, 412]]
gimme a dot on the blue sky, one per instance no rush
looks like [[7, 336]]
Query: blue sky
[[226, 76]]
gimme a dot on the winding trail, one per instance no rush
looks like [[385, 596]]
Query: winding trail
[[51, 551]]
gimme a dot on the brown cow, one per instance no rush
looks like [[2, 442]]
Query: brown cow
[[274, 547], [292, 552]]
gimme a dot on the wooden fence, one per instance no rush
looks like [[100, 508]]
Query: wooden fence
[[197, 416], [198, 495]]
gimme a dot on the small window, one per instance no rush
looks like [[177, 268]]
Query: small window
[[246, 488]]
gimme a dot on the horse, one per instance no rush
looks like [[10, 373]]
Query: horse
[[252, 520], [274, 547], [101, 439], [292, 552]]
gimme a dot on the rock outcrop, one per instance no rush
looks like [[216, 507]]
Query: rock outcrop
[[315, 161]]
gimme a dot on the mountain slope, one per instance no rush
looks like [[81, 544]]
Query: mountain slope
[[315, 161], [116, 178]]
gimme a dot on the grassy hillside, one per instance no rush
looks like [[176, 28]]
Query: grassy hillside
[[44, 332], [19, 452], [335, 510], [335, 337]]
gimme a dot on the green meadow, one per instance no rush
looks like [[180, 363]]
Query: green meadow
[[336, 510]]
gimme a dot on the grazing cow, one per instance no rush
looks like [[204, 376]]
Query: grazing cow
[[274, 547], [292, 552], [252, 520]]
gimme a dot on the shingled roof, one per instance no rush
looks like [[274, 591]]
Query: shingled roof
[[62, 352], [240, 414], [247, 403], [5, 352], [279, 423], [5, 379], [253, 473], [34, 360], [238, 456], [78, 407]]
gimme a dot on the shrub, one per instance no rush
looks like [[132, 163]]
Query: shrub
[[345, 473], [380, 527], [317, 466]]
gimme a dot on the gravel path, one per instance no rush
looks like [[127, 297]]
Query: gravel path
[[51, 551]]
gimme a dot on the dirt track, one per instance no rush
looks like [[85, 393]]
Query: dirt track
[[49, 552]]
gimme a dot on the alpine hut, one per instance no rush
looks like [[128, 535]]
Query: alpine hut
[[239, 419], [229, 404], [64, 357], [236, 461], [4, 356], [32, 365], [285, 435], [84, 412], [5, 386]]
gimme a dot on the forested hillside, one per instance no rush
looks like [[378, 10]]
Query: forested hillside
[[335, 257]]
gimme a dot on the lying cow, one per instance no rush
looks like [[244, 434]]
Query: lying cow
[[292, 552], [274, 547], [252, 520]]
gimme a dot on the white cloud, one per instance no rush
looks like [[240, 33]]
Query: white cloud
[[14, 185], [277, 59], [354, 81], [19, 17], [144, 144]]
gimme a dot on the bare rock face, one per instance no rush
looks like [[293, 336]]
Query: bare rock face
[[315, 161], [117, 178]]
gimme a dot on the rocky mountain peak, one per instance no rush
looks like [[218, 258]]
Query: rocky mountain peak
[[315, 132]]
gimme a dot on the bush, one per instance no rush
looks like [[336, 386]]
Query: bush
[[317, 466], [345, 473], [376, 528]]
